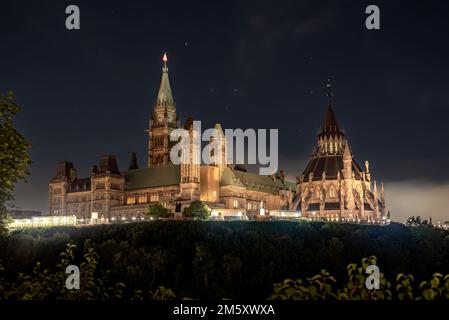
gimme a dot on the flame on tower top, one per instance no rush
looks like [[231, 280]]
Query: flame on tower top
[[165, 59]]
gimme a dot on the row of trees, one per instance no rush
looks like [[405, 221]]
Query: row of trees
[[196, 210], [49, 283], [226, 260], [418, 221]]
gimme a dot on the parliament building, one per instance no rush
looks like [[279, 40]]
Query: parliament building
[[332, 185]]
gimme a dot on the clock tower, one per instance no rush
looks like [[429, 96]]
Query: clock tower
[[162, 122]]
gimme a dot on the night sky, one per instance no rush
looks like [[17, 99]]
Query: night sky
[[245, 64]]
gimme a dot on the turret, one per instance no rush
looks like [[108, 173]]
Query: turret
[[190, 164], [347, 163], [376, 197], [375, 190], [133, 164], [348, 175], [220, 159], [59, 186], [382, 199], [107, 186], [368, 173]]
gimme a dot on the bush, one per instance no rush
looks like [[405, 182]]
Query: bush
[[321, 287], [234, 260], [157, 210], [197, 210]]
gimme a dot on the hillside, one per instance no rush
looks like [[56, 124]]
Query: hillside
[[227, 259]]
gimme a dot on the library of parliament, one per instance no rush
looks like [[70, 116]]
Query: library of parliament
[[333, 185]]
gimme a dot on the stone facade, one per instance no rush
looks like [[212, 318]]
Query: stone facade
[[333, 185], [115, 194]]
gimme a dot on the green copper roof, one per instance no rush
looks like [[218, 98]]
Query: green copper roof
[[291, 184], [164, 96], [230, 179], [168, 175], [253, 181]]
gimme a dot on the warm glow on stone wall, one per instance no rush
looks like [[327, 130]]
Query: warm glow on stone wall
[[209, 183], [46, 221]]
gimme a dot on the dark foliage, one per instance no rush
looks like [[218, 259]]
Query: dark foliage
[[14, 157], [228, 259], [197, 210], [157, 210]]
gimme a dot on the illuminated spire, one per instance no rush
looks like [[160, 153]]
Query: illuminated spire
[[347, 153], [165, 59], [165, 97], [330, 126], [382, 192]]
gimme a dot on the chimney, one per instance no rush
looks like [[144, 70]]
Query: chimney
[[282, 175], [72, 174], [133, 165]]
